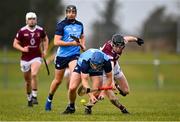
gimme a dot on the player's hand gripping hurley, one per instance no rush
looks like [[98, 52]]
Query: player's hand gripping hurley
[[82, 90], [77, 40], [47, 68]]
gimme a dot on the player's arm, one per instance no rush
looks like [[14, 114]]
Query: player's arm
[[45, 43], [16, 44], [130, 39], [109, 79], [84, 78], [82, 41], [139, 41], [50, 58], [59, 42], [108, 83], [108, 71]]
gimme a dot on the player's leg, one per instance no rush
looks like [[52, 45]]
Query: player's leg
[[27, 77], [58, 76], [75, 79], [56, 81], [73, 85], [121, 82], [60, 65], [114, 100], [35, 66], [25, 68], [122, 85]]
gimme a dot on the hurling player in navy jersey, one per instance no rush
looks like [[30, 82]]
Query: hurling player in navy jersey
[[28, 41], [68, 49], [91, 64]]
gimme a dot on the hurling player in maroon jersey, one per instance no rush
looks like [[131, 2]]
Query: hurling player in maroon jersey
[[28, 41], [114, 48]]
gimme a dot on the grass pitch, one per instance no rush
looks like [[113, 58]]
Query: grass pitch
[[143, 104], [145, 101]]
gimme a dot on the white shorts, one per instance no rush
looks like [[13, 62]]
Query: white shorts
[[26, 65], [116, 71], [67, 72]]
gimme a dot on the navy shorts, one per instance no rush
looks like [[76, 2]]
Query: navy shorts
[[91, 73], [62, 62]]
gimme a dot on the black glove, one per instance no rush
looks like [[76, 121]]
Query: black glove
[[140, 41], [88, 90]]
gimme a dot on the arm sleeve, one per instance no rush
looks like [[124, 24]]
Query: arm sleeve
[[59, 29], [43, 34], [106, 48], [107, 66], [82, 30], [84, 67], [19, 35]]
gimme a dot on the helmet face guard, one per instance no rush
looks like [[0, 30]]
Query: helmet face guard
[[96, 66], [97, 61], [118, 41], [118, 46]]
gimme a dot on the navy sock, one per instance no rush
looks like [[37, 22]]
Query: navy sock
[[50, 97], [71, 105]]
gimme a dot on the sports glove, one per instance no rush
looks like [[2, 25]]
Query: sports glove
[[140, 41], [88, 90]]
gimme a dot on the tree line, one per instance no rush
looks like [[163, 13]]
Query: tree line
[[158, 25], [12, 16]]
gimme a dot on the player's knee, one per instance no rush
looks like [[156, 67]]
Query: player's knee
[[33, 75], [56, 82], [27, 79], [28, 83], [72, 89]]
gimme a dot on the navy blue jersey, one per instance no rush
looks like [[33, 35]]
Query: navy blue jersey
[[65, 29], [84, 62]]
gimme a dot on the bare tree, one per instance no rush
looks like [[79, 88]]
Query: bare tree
[[160, 26], [13, 16], [103, 30]]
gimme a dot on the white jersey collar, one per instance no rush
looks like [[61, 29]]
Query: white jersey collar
[[32, 30]]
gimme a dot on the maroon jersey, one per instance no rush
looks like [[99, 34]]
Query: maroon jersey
[[32, 39], [107, 48]]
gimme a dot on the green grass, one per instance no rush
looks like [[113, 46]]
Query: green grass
[[145, 102]]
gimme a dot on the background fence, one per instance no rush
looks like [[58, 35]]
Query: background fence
[[149, 70]]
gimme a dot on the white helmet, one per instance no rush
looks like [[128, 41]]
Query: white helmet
[[30, 15]]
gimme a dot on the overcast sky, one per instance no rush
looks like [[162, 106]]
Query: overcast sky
[[132, 12]]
